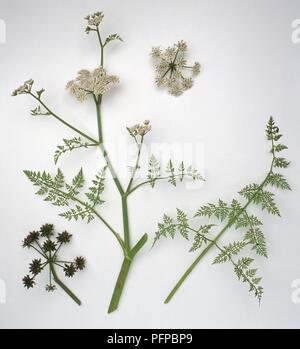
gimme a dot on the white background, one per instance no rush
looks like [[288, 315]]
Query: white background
[[250, 71]]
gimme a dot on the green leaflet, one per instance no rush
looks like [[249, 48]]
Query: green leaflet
[[171, 174], [245, 220], [255, 237], [246, 274], [153, 170], [219, 210], [182, 223], [281, 163], [165, 228], [97, 189], [68, 146], [200, 238], [278, 180], [82, 212], [112, 37], [229, 251], [77, 184]]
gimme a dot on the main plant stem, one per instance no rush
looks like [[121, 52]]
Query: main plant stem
[[128, 252], [216, 239]]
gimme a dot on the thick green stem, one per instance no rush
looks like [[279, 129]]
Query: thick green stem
[[119, 285], [128, 253], [124, 273], [98, 103], [63, 286], [125, 223]]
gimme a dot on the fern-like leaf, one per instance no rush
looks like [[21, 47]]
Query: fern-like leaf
[[77, 212], [256, 238], [279, 181], [171, 173], [112, 37], [182, 223], [153, 170], [96, 190], [229, 251], [77, 183], [219, 210], [281, 162], [245, 221], [68, 146], [200, 238], [165, 229]]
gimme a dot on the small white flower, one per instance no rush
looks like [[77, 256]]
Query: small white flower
[[139, 129], [170, 66], [94, 19], [25, 88], [196, 68]]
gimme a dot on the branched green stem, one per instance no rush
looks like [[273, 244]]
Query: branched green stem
[[156, 179], [136, 167], [62, 120], [62, 285]]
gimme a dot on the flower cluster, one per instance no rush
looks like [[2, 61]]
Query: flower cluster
[[139, 129], [47, 245], [170, 65], [96, 82], [23, 89], [94, 21]]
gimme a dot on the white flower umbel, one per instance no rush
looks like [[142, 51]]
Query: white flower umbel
[[96, 82], [170, 68]]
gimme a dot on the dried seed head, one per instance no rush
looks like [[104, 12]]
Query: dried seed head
[[64, 237], [50, 288], [79, 263], [70, 269], [31, 238], [49, 246], [35, 267], [28, 281], [47, 230]]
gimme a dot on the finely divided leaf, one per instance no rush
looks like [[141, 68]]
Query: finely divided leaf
[[111, 38], [281, 162], [182, 223], [220, 210], [68, 146], [228, 251], [166, 228], [171, 172], [200, 237], [278, 180], [153, 170], [97, 189], [256, 238]]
